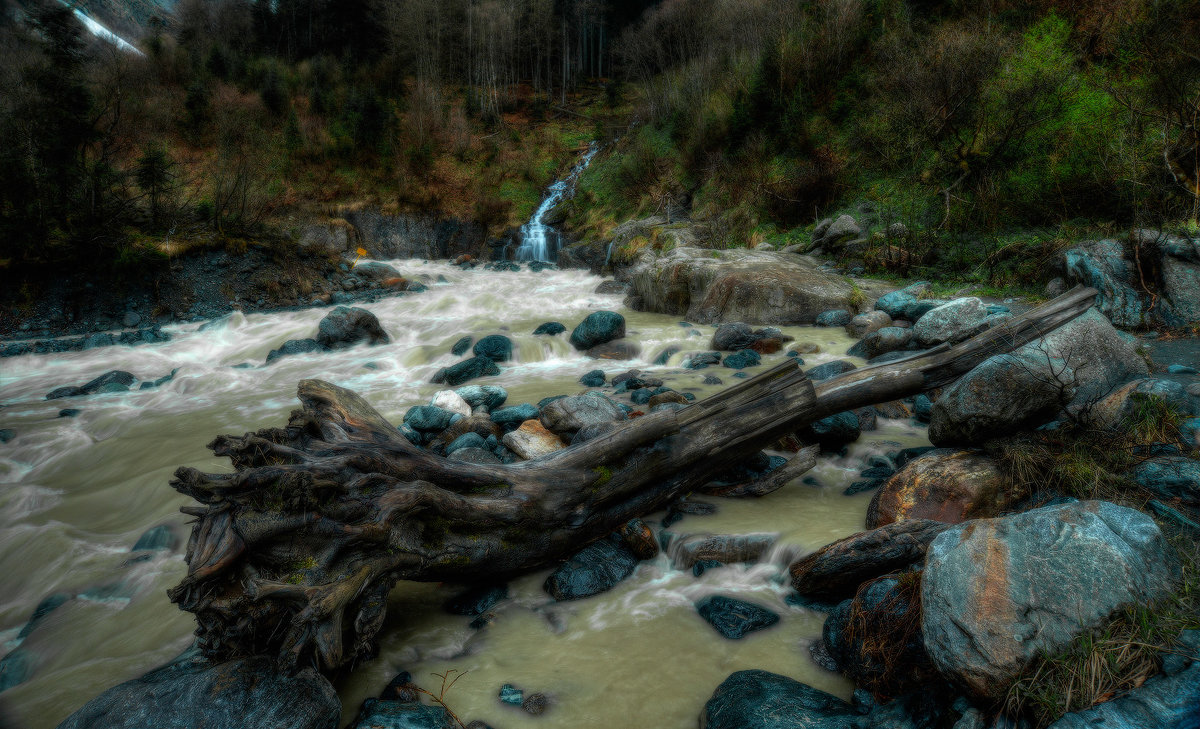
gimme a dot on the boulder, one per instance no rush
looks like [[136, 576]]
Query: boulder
[[996, 593], [951, 322], [550, 329], [461, 346], [595, 378], [1124, 402], [743, 359], [723, 548], [159, 539], [864, 324], [346, 326], [375, 271], [595, 569], [833, 318], [532, 440], [881, 341], [514, 415], [194, 692], [496, 347], [294, 346], [761, 700], [911, 302], [488, 397], [430, 418], [1003, 395], [835, 571], [734, 618], [566, 416], [944, 485], [599, 327], [834, 237], [452, 401], [466, 370], [1100, 356], [737, 285]]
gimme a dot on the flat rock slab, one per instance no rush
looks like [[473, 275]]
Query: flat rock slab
[[248, 694]]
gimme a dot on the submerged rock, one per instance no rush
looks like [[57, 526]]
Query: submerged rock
[[114, 381], [595, 569], [160, 538], [734, 618], [599, 327], [193, 692], [762, 700], [723, 548], [391, 714], [996, 593], [294, 346], [461, 346], [550, 329]]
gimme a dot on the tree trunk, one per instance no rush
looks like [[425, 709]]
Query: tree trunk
[[294, 552]]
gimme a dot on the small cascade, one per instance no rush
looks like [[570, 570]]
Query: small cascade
[[540, 242]]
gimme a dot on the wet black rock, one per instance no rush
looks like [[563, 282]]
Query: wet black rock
[[595, 569], [347, 326], [712, 380], [743, 359], [294, 346], [734, 618], [114, 381], [595, 378], [249, 694], [496, 347], [7, 434], [833, 432], [700, 360], [16, 668], [763, 700], [159, 382], [386, 714], [597, 328], [476, 600], [461, 346], [550, 329], [465, 371], [68, 412]]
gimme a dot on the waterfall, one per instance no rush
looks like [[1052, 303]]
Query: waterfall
[[100, 31], [540, 242]]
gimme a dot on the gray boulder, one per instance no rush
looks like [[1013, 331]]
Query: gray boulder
[[953, 322], [740, 285], [1105, 266], [911, 302], [998, 592], [881, 341], [248, 693], [837, 234], [868, 322], [346, 326], [567, 416]]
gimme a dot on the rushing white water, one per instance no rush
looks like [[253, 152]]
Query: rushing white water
[[100, 31], [540, 242], [76, 492]]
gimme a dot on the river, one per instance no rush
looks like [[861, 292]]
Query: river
[[77, 492]]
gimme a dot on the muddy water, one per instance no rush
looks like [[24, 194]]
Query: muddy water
[[75, 494]]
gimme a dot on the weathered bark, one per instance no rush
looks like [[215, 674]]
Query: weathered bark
[[294, 552]]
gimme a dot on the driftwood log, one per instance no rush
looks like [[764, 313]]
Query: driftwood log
[[294, 553]]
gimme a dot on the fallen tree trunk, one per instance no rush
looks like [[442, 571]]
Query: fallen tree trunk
[[294, 553]]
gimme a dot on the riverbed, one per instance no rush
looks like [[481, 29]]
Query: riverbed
[[77, 492]]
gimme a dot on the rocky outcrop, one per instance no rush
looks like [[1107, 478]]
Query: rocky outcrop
[[193, 693], [415, 236], [1160, 288], [997, 592], [760, 287], [943, 485], [836, 570]]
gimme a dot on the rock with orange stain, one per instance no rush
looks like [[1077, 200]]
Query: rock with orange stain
[[996, 593], [532, 440], [639, 539], [943, 485]]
